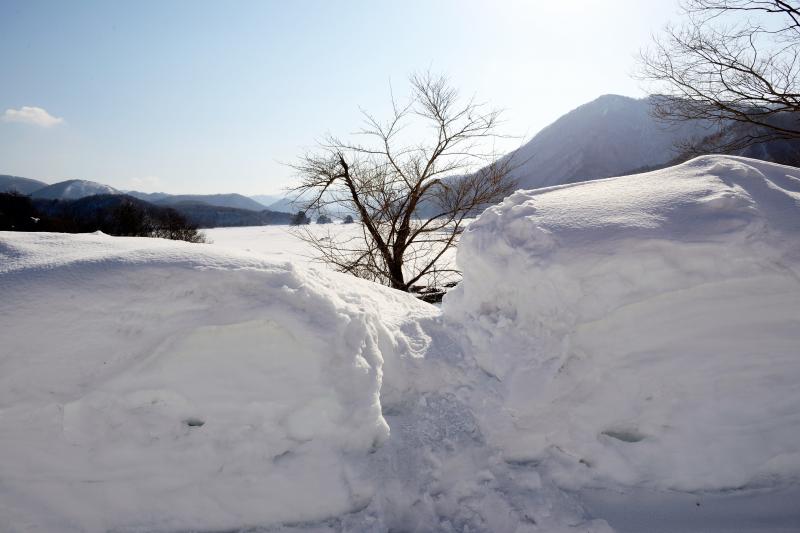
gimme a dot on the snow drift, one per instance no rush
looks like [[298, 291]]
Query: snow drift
[[643, 330], [160, 386], [157, 385]]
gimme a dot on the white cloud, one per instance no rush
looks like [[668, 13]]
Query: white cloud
[[31, 115]]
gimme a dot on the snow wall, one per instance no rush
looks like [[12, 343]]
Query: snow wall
[[164, 386], [643, 330]]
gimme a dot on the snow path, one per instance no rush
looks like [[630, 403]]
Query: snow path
[[441, 473]]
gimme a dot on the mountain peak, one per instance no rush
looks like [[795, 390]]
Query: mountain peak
[[610, 136], [73, 189]]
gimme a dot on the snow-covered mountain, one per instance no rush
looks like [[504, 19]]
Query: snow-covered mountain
[[609, 136], [73, 190], [20, 185]]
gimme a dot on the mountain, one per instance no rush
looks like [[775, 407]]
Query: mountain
[[91, 209], [151, 197], [609, 136], [213, 216], [266, 199], [81, 200], [728, 140], [72, 190], [233, 200], [20, 185], [236, 201], [285, 204]]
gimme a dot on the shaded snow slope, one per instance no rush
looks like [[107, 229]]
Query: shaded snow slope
[[643, 330]]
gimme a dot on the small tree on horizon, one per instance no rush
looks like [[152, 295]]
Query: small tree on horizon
[[413, 181], [300, 219]]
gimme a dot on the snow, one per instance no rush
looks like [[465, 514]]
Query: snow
[[622, 350], [154, 385], [278, 243], [122, 347], [643, 329], [285, 243]]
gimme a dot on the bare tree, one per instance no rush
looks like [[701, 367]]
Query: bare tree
[[412, 183], [733, 61]]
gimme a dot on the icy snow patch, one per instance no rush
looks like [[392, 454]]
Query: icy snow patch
[[642, 330]]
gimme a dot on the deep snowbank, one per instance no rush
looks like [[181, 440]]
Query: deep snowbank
[[155, 385], [644, 330], [160, 386]]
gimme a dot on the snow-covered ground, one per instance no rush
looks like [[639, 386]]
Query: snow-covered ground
[[277, 243], [622, 354], [284, 243], [150, 385]]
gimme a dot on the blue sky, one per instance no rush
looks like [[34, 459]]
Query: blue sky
[[193, 96]]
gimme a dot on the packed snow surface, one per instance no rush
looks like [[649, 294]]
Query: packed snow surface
[[633, 335], [643, 330]]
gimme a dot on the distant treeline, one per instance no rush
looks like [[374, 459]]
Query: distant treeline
[[212, 216], [119, 215]]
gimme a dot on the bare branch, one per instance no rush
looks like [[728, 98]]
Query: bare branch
[[412, 196], [746, 73]]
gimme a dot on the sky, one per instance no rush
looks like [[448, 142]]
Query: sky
[[216, 97]]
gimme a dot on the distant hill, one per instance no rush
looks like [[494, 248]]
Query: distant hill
[[151, 197], [20, 185], [233, 200], [266, 199], [73, 190], [609, 136], [783, 151], [82, 200], [289, 204], [199, 214], [88, 207], [285, 204], [212, 216]]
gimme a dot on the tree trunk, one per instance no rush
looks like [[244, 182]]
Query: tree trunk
[[396, 272]]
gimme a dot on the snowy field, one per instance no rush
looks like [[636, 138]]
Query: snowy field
[[283, 243], [622, 355], [276, 243]]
